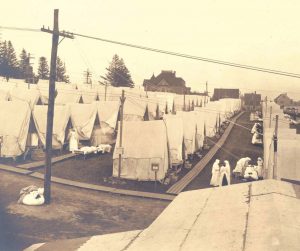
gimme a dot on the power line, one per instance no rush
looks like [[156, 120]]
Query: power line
[[254, 68], [19, 29], [248, 67]]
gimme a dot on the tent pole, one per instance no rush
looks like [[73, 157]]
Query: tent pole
[[270, 122], [275, 139], [122, 99]]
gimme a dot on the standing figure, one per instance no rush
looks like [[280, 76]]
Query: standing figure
[[225, 174], [259, 167], [215, 173], [73, 140]]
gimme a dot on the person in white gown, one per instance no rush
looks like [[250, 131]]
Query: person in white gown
[[259, 167], [215, 173], [73, 140], [241, 167], [225, 174]]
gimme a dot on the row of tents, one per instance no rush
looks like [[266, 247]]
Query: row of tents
[[283, 164], [95, 123], [36, 94], [24, 127], [150, 148]]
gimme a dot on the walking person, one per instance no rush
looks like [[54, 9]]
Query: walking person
[[73, 140], [215, 173], [225, 174]]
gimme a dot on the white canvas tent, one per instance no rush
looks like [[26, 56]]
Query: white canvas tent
[[60, 123], [66, 96], [31, 96], [145, 147], [83, 119], [89, 96], [4, 95], [189, 131], [209, 117], [133, 110], [14, 127], [175, 137], [104, 130]]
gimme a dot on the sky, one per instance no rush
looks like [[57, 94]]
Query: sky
[[258, 33]]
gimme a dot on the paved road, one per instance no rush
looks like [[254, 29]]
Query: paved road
[[73, 213], [238, 145]]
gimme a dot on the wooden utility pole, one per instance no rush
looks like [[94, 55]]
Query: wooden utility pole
[[184, 107], [88, 76], [275, 142], [270, 122], [122, 99], [50, 114]]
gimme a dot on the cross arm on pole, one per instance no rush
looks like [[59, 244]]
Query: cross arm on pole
[[60, 33]]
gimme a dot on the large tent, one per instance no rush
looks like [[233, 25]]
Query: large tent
[[60, 124], [144, 151], [14, 127]]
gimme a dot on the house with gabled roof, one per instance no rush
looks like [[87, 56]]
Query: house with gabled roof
[[166, 81]]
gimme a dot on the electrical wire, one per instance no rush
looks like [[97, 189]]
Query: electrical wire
[[254, 68], [215, 61]]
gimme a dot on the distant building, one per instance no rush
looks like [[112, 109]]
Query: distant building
[[166, 81], [283, 100], [252, 102], [220, 93]]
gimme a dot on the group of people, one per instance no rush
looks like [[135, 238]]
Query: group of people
[[221, 172], [249, 172]]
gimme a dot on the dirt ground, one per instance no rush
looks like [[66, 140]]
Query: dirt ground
[[237, 145], [73, 213]]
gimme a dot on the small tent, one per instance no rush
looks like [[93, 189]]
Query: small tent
[[135, 111], [145, 151], [83, 119], [31, 96], [189, 131], [175, 137], [14, 127], [106, 122], [68, 96], [89, 96]]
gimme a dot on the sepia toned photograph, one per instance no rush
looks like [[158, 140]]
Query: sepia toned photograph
[[149, 125]]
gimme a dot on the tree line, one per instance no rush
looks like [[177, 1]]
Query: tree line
[[20, 68]]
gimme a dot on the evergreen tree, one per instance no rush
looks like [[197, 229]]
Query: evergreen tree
[[118, 74], [25, 70], [3, 58], [43, 70], [8, 60], [61, 75], [12, 60]]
